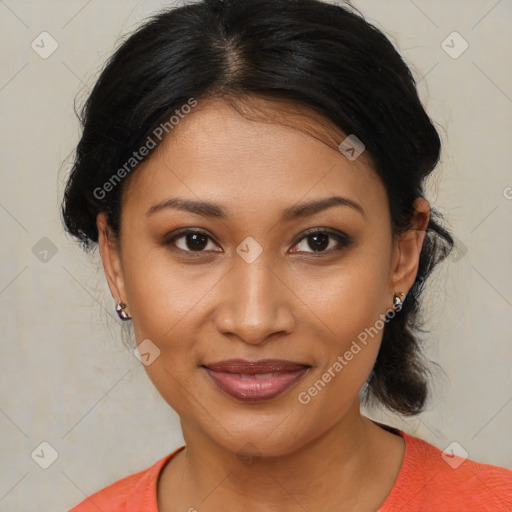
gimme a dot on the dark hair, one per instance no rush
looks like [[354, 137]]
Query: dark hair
[[315, 54]]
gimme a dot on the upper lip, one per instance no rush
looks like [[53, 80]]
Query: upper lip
[[255, 367]]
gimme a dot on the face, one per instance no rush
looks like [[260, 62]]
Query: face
[[266, 280]]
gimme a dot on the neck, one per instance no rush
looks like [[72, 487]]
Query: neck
[[335, 468]]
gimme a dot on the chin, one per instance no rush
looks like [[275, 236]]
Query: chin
[[270, 437]]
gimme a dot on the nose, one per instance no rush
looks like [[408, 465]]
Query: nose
[[256, 303]]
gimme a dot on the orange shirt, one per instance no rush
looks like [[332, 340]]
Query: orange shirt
[[426, 483]]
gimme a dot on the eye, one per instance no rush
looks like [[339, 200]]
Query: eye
[[319, 241], [193, 240]]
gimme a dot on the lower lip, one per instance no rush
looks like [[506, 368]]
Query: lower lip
[[253, 389]]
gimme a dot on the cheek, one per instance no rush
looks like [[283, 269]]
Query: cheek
[[347, 358], [351, 296], [351, 310], [165, 300], [162, 293]]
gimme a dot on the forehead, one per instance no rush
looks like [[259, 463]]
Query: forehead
[[254, 152]]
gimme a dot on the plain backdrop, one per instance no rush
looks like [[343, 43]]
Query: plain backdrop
[[69, 382]]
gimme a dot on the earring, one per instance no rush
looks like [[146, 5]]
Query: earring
[[398, 299], [120, 308]]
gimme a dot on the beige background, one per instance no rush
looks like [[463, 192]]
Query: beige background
[[67, 378]]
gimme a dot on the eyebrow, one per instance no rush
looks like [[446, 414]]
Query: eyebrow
[[211, 209]]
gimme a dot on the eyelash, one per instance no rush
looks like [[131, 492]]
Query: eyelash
[[342, 239]]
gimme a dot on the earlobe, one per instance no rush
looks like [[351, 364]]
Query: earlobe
[[111, 258]]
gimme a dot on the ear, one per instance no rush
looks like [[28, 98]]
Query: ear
[[408, 248], [111, 257]]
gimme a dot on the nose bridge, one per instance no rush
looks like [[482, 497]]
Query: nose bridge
[[255, 284], [255, 305]]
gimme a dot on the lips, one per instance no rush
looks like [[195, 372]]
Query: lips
[[255, 367], [255, 380]]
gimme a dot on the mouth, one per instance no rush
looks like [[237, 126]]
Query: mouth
[[254, 381]]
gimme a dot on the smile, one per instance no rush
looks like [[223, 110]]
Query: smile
[[255, 381]]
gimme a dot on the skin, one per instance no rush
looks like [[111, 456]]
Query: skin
[[304, 306]]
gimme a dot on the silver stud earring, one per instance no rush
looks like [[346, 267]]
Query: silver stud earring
[[120, 308], [398, 299]]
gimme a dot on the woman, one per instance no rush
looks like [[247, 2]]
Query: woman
[[252, 172]]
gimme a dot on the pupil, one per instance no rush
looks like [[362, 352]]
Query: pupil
[[198, 241], [321, 238]]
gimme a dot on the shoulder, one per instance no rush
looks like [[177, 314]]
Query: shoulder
[[132, 493], [114, 496], [431, 479]]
